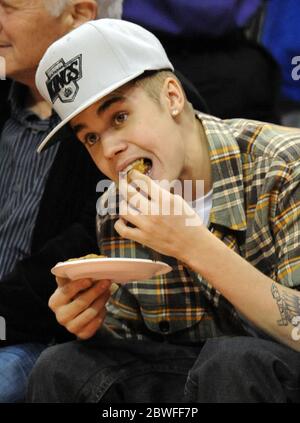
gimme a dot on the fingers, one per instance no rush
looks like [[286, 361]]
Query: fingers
[[67, 291], [128, 232], [145, 184], [79, 305], [67, 307], [87, 322], [91, 328], [135, 199], [146, 196], [62, 281], [131, 215]]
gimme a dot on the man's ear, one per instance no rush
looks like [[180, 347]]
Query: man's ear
[[174, 96], [83, 11]]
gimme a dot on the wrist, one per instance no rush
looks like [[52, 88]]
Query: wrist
[[194, 254]]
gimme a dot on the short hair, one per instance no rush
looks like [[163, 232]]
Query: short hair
[[152, 82], [110, 8], [56, 7], [106, 8]]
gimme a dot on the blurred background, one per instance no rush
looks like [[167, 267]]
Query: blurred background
[[243, 56]]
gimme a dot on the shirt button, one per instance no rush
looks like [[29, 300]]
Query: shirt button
[[164, 326]]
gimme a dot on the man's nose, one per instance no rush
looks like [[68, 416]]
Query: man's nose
[[112, 146]]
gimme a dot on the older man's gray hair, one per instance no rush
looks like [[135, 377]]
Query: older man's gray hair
[[107, 8]]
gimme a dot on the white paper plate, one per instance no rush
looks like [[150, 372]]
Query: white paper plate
[[119, 270]]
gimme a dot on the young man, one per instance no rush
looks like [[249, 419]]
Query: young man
[[223, 325]]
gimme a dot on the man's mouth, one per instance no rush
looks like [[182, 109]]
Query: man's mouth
[[143, 165]]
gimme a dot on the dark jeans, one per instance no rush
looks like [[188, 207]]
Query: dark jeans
[[239, 369]]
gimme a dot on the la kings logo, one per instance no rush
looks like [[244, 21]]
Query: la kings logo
[[62, 79]]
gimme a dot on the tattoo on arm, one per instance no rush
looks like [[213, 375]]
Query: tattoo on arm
[[289, 306]]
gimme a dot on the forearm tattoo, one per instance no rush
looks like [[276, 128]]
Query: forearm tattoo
[[289, 306]]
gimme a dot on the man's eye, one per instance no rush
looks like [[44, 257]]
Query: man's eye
[[6, 5], [120, 118], [91, 138]]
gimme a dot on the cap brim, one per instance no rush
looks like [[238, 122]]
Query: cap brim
[[62, 130]]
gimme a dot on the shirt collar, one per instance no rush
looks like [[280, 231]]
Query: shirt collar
[[26, 117], [228, 187]]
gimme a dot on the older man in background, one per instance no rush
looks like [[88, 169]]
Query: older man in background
[[39, 224]]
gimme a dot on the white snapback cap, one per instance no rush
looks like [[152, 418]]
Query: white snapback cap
[[92, 61]]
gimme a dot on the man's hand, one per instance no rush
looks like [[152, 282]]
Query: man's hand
[[79, 305], [159, 219]]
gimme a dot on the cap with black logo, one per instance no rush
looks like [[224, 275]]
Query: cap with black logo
[[92, 61]]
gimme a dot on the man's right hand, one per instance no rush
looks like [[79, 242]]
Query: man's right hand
[[79, 305]]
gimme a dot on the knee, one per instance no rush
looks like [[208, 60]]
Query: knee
[[45, 363], [234, 355], [42, 377], [239, 369]]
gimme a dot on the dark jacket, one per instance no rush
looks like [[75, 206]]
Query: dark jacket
[[65, 228]]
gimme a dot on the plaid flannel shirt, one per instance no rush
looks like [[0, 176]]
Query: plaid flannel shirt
[[255, 211]]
